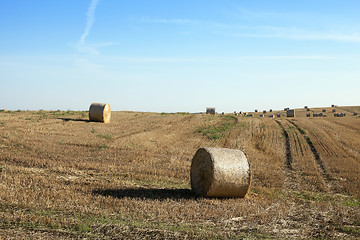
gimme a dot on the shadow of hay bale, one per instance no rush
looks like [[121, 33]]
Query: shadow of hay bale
[[144, 193], [74, 120]]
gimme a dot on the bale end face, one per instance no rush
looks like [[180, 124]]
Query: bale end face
[[220, 172]]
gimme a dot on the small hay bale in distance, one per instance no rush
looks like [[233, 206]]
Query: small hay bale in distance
[[220, 172], [210, 110], [355, 113], [100, 112]]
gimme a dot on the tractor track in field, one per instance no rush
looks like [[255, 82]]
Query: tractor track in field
[[291, 180], [347, 126], [289, 158], [320, 163]]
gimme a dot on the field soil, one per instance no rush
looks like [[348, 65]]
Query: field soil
[[63, 177]]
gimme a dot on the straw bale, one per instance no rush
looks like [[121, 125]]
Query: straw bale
[[100, 112], [220, 172], [210, 110], [290, 113]]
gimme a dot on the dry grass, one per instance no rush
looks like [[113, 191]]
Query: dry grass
[[62, 176]]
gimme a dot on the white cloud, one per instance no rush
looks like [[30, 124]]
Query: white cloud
[[90, 20], [303, 36]]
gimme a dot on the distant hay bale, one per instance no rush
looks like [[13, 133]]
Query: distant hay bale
[[210, 110], [262, 115], [320, 114], [100, 112], [220, 172], [324, 110], [339, 114], [334, 110], [308, 115], [290, 113], [249, 115], [355, 113]]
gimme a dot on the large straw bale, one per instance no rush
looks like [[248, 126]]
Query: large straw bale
[[100, 112], [220, 172], [290, 113]]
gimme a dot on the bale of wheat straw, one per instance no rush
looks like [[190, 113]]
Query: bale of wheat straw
[[220, 172], [100, 112]]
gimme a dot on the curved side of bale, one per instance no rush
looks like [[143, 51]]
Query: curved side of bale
[[220, 172], [100, 112]]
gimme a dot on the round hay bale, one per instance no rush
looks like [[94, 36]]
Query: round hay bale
[[100, 112], [220, 172]]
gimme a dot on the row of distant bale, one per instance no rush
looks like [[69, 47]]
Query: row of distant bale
[[289, 113]]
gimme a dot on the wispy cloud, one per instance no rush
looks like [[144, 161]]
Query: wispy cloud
[[90, 19], [84, 47], [355, 38], [165, 20], [262, 31], [209, 59]]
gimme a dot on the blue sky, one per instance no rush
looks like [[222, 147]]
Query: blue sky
[[179, 55]]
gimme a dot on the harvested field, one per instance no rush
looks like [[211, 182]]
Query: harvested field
[[62, 176]]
